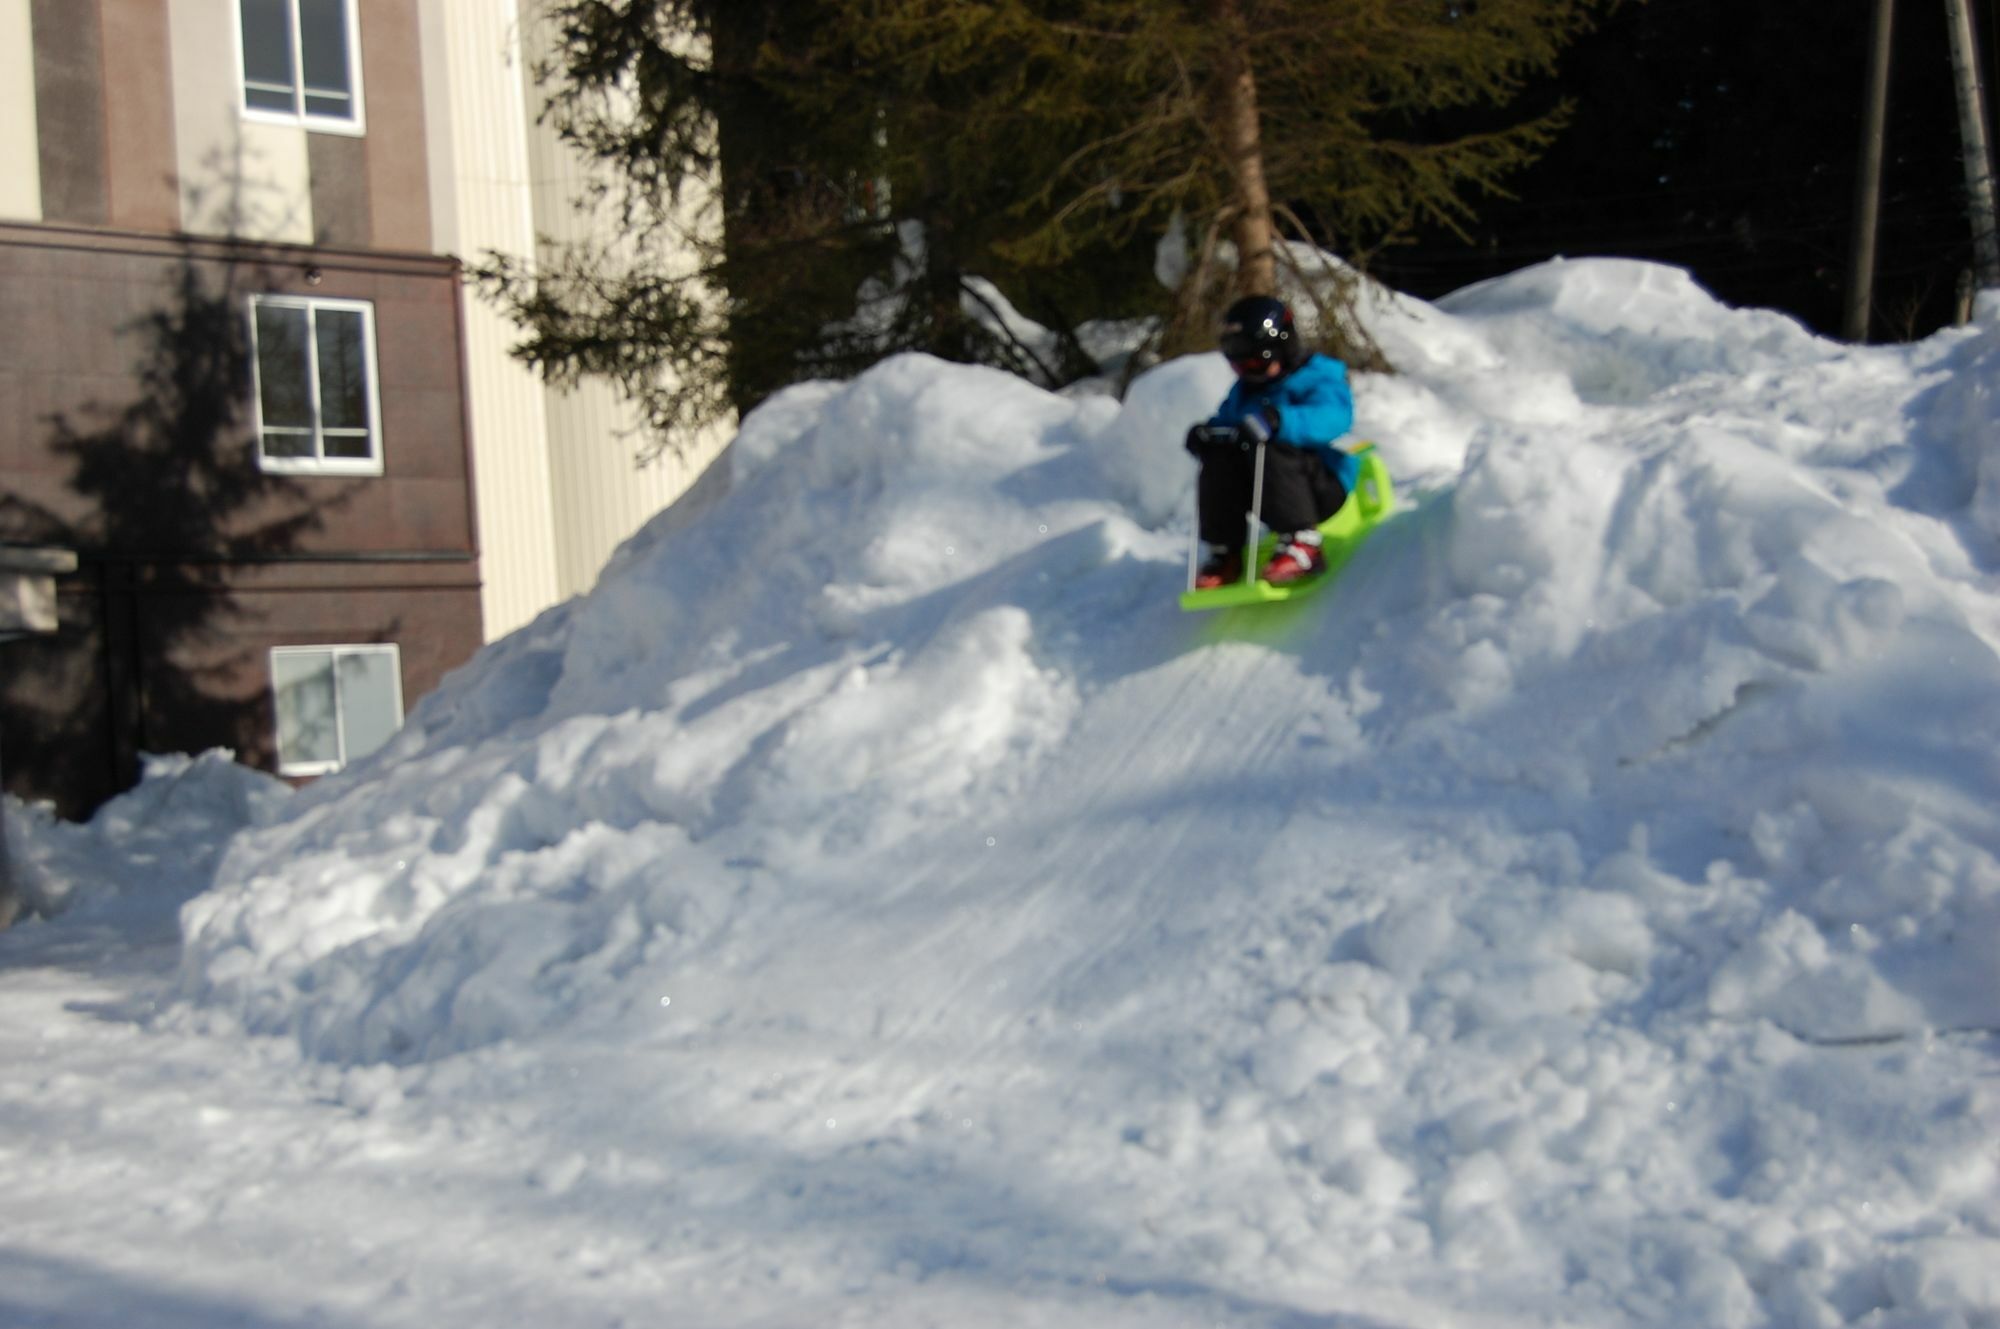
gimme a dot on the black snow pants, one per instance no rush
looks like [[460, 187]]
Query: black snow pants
[[1300, 491]]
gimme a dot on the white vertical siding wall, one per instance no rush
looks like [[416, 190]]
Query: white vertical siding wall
[[601, 494], [20, 153], [558, 486], [481, 201]]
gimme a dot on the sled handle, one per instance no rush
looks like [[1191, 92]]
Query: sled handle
[[1194, 552], [1251, 521], [1374, 494]]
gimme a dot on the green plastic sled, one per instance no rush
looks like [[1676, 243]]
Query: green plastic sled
[[1373, 499]]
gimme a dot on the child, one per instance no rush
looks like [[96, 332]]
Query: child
[[1294, 403]]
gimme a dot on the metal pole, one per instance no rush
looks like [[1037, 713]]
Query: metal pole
[[1868, 184], [1972, 136], [1253, 520], [10, 900]]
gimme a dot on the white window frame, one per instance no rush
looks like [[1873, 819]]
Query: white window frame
[[306, 768], [357, 126], [319, 463]]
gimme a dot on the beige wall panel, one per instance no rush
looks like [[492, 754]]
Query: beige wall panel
[[237, 177], [272, 184], [392, 80], [441, 156], [600, 491], [558, 484], [483, 125], [139, 115], [601, 494], [20, 153]]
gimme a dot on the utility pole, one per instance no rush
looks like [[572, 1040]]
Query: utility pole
[[1972, 139], [1868, 182]]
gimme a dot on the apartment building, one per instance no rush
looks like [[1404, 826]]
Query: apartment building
[[242, 384]]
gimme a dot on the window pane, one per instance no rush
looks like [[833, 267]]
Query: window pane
[[323, 48], [288, 443], [370, 711], [262, 97], [283, 389], [302, 682], [328, 107], [352, 445], [343, 369], [316, 380], [267, 55]]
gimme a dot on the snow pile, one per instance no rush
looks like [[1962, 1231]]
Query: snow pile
[[1965, 420], [160, 840], [1585, 910]]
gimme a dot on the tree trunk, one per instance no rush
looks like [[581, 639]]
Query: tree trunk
[[1868, 179], [1236, 120], [1972, 138]]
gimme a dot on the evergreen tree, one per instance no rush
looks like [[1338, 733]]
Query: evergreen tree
[[745, 227], [896, 148], [1252, 121]]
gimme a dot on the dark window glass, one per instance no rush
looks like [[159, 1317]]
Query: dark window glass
[[268, 83], [315, 380], [281, 35], [329, 86], [284, 385], [343, 369], [356, 446], [289, 444]]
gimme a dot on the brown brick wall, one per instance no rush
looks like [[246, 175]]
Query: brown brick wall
[[195, 563], [69, 109], [398, 171], [143, 667], [139, 161], [80, 330]]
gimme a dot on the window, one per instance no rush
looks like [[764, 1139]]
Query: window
[[300, 62], [335, 704], [317, 407]]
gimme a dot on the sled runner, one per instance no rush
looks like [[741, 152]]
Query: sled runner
[[1373, 499]]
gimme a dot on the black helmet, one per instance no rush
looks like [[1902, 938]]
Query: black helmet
[[1259, 339]]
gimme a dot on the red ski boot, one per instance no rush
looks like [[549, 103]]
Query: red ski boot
[[1297, 557], [1223, 567]]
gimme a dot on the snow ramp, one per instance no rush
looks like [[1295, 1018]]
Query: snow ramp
[[1582, 913]]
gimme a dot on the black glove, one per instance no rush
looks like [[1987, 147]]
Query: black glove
[[1205, 440]]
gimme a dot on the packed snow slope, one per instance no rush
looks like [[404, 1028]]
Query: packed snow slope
[[1585, 911]]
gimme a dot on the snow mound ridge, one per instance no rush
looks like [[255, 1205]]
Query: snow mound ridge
[[1610, 863], [1621, 331]]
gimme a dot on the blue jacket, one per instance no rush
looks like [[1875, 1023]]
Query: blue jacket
[[1315, 407]]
